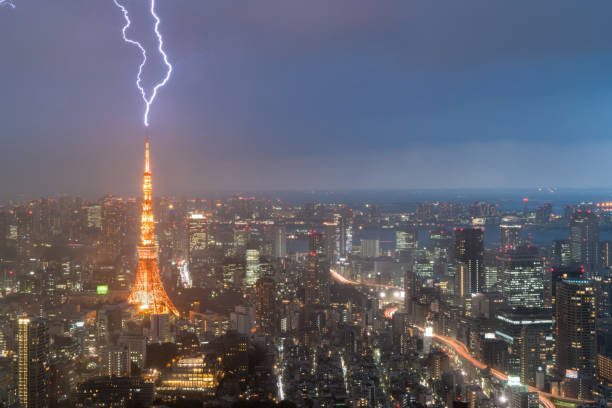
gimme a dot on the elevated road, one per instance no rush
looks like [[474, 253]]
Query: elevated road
[[342, 279], [462, 350]]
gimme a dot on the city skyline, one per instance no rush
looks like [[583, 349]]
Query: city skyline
[[313, 96], [345, 204]]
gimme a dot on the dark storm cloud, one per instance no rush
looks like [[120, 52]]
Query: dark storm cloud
[[306, 94]]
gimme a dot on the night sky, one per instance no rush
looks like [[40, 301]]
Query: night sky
[[309, 94]]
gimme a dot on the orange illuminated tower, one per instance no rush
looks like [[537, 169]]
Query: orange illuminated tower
[[148, 292]]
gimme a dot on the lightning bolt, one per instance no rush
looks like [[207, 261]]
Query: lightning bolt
[[7, 3], [160, 41]]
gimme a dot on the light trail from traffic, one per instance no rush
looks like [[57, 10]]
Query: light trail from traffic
[[346, 281], [463, 351], [390, 311]]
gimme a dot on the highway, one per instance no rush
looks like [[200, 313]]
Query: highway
[[389, 311], [465, 354], [346, 281]]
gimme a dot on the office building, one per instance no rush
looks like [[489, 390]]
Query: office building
[[116, 361], [136, 344], [521, 397], [469, 261], [522, 272], [343, 218], [406, 241], [160, 328], [265, 295], [526, 332], [606, 254], [584, 240], [370, 248], [114, 392], [509, 233], [32, 363], [316, 280], [280, 242], [252, 266], [561, 253], [197, 229], [576, 339]]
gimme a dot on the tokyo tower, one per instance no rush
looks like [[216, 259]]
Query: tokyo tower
[[148, 292]]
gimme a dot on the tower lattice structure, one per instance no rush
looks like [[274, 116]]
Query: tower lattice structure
[[148, 292]]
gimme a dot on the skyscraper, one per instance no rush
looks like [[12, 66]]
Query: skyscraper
[[561, 254], [111, 229], [576, 338], [280, 242], [406, 241], [198, 234], [606, 254], [252, 266], [148, 292], [32, 363], [317, 272], [584, 240], [264, 310], [525, 331], [344, 232], [509, 233], [469, 261], [370, 248], [523, 277]]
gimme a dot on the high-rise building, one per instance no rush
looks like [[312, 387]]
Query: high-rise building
[[317, 280], [425, 212], [32, 363], [401, 332], [606, 254], [525, 331], [280, 242], [557, 274], [561, 253], [160, 328], [576, 338], [491, 277], [252, 266], [136, 344], [441, 240], [344, 232], [94, 216], [148, 292], [521, 397], [370, 248], [522, 272], [469, 261], [265, 306], [317, 243], [233, 272], [241, 239], [406, 241], [509, 233], [197, 228], [543, 213], [111, 229], [584, 240], [116, 361], [317, 272]]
